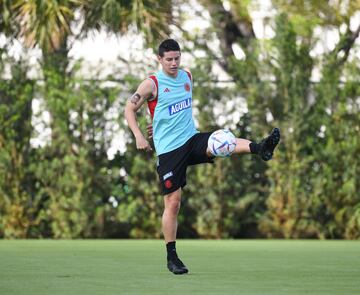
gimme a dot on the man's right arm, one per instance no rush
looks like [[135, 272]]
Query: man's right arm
[[143, 92]]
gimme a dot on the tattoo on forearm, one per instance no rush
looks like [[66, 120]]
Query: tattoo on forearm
[[135, 98]]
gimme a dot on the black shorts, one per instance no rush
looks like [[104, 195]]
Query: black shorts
[[172, 165]]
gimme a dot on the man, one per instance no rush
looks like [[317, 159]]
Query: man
[[177, 142]]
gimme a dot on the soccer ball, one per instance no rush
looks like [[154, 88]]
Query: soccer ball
[[222, 143]]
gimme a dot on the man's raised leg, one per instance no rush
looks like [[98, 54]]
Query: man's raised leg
[[265, 148]]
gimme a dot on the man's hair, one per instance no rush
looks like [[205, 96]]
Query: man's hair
[[168, 45]]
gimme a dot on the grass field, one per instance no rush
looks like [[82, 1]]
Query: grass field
[[216, 267]]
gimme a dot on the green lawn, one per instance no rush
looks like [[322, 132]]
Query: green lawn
[[216, 267]]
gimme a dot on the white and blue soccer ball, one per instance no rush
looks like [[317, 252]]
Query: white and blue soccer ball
[[222, 143]]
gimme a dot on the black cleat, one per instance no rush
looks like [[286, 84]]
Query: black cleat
[[176, 266], [268, 144]]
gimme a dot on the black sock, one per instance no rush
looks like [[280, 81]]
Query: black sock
[[171, 250], [254, 147]]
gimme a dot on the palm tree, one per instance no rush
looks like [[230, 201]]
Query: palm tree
[[48, 23], [44, 23]]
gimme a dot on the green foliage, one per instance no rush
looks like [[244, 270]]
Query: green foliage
[[141, 204], [337, 156], [16, 206], [314, 189], [306, 14], [59, 189], [81, 136]]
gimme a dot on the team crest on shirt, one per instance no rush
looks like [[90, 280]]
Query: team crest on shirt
[[187, 87]]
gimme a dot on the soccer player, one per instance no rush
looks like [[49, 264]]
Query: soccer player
[[177, 142]]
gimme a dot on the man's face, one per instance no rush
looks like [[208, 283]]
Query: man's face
[[170, 62]]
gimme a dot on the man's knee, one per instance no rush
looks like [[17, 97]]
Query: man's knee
[[173, 201]]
